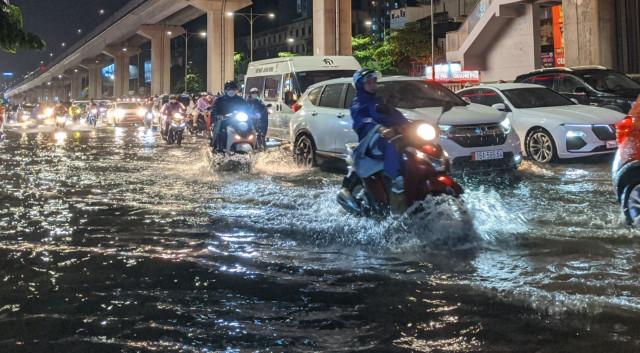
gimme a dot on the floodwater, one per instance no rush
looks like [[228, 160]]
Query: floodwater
[[111, 241]]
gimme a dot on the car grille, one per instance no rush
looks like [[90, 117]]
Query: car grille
[[481, 135], [605, 132]]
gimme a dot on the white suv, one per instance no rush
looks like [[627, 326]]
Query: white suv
[[473, 135]]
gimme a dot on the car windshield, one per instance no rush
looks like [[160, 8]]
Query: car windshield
[[127, 106], [412, 94], [609, 81], [308, 78], [523, 98], [28, 106]]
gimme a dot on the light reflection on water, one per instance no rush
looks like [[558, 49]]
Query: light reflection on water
[[120, 242]]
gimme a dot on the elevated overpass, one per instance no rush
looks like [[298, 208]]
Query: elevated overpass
[[140, 21]]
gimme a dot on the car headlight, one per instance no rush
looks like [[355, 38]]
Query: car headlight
[[119, 113], [506, 125], [26, 117], [141, 112], [242, 116], [572, 133], [426, 132], [48, 112]]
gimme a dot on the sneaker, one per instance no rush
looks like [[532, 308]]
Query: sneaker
[[397, 185]]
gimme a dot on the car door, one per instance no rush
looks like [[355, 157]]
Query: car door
[[270, 95], [344, 123], [323, 116]]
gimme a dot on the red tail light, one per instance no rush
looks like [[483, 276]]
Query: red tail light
[[624, 127], [296, 107], [432, 151]]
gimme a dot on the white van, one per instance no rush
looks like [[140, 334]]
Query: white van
[[282, 81]]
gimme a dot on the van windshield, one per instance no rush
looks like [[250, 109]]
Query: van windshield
[[413, 94], [308, 78]]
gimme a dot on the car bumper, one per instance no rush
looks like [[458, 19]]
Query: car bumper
[[462, 157]]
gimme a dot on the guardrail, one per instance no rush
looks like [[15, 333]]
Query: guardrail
[[109, 21]]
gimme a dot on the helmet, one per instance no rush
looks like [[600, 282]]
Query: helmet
[[173, 96], [254, 89], [229, 85], [362, 75]]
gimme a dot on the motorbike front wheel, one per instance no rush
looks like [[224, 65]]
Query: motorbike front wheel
[[179, 137]]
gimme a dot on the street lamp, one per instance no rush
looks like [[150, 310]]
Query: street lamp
[[251, 17], [186, 36]]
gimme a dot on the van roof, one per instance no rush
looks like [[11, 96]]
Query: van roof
[[302, 63]]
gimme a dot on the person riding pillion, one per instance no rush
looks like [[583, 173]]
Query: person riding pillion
[[228, 103], [368, 111], [259, 110], [169, 109]]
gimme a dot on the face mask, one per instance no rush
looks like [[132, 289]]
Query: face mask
[[231, 93], [254, 96]]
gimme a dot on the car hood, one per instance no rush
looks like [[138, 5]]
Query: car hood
[[458, 115], [576, 114]]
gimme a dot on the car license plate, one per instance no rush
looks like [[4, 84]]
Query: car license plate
[[485, 155], [612, 144]]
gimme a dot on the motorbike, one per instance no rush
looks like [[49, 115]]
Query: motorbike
[[148, 119], [241, 133], [367, 192], [93, 117], [177, 125], [61, 119], [199, 126]]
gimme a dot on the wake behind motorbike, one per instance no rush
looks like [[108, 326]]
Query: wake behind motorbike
[[366, 191], [241, 133], [177, 124]]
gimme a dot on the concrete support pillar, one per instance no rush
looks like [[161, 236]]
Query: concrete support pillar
[[121, 55], [220, 40], [76, 84], [39, 94], [160, 36], [589, 32], [95, 77], [332, 27]]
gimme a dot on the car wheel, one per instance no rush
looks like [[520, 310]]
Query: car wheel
[[541, 147], [631, 204], [304, 152]]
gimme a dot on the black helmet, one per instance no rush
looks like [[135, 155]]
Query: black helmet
[[229, 85], [173, 96]]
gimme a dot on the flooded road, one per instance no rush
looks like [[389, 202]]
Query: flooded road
[[111, 241]]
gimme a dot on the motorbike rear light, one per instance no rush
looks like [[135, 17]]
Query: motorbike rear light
[[623, 128], [431, 150], [296, 107]]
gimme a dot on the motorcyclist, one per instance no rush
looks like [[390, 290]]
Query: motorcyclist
[[168, 110], [224, 105], [75, 110], [259, 110], [367, 111], [60, 109], [203, 107]]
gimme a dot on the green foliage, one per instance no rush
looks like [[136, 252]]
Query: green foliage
[[402, 47], [195, 82], [240, 64], [11, 34], [286, 54]]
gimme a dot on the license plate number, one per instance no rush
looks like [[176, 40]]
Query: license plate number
[[485, 155], [612, 144]]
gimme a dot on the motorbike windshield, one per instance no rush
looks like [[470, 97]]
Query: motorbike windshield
[[523, 98], [413, 94], [609, 81], [308, 78]]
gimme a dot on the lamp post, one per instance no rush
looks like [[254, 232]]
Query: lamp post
[[186, 36], [251, 17]]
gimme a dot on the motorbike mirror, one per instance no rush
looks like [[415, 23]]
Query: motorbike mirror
[[446, 106]]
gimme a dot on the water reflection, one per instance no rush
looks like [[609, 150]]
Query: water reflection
[[60, 137]]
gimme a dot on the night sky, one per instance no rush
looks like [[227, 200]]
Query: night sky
[[58, 21]]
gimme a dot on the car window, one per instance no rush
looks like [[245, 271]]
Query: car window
[[473, 95], [543, 80], [290, 87], [272, 88], [314, 95], [308, 78], [609, 81], [331, 95], [254, 82], [482, 96], [567, 84], [351, 94], [535, 98], [412, 94]]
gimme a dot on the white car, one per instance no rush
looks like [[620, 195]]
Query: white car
[[474, 136], [125, 112], [552, 126]]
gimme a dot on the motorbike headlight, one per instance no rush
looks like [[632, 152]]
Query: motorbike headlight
[[48, 112], [177, 116], [506, 125], [141, 112], [25, 117], [426, 132], [94, 111], [242, 117]]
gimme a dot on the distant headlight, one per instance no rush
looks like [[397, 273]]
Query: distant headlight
[[48, 112], [426, 132], [141, 112], [506, 125], [177, 116], [119, 113], [242, 116]]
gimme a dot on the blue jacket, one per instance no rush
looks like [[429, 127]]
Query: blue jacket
[[365, 117]]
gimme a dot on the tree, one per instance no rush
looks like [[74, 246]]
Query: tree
[[372, 54], [286, 54], [240, 64], [11, 34], [195, 82]]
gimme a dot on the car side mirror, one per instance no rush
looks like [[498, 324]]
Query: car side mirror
[[581, 91], [575, 101], [499, 106]]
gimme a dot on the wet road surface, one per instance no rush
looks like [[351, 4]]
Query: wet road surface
[[111, 241]]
